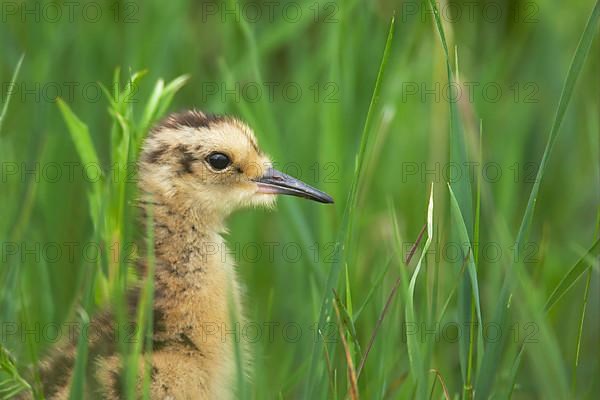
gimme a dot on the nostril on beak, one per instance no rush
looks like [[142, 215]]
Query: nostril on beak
[[276, 182]]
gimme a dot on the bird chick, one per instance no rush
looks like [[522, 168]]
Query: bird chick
[[194, 170]]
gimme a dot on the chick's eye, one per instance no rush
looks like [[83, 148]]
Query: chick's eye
[[218, 161]]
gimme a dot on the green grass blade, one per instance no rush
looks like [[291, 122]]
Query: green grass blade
[[572, 276], [373, 288], [170, 90], [14, 383], [80, 135], [494, 350], [160, 99], [582, 314], [144, 321], [463, 237], [471, 269], [463, 192], [513, 372], [468, 387], [414, 347], [584, 304], [77, 388], [152, 104], [565, 97], [10, 93], [348, 323]]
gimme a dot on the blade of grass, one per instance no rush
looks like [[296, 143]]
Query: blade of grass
[[459, 224], [77, 389], [572, 276], [350, 365], [468, 386], [159, 100], [144, 321], [375, 285], [414, 351], [463, 192], [10, 92], [434, 295], [152, 104], [167, 97], [80, 135], [330, 372], [346, 315], [14, 384], [493, 352], [584, 303], [463, 268], [514, 370], [439, 378]]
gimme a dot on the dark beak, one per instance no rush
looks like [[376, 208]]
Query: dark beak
[[276, 182]]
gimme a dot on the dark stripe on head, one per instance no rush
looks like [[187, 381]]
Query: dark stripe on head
[[186, 158], [190, 118], [155, 155]]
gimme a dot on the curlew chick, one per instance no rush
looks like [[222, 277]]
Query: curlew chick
[[195, 169]]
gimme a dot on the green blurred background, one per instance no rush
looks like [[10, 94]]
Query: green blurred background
[[302, 74]]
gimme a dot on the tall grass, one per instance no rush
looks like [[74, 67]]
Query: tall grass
[[383, 306]]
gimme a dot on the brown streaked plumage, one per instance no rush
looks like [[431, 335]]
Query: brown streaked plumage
[[194, 170]]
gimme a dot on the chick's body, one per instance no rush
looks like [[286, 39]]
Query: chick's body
[[194, 170]]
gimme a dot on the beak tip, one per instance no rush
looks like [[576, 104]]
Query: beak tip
[[323, 198]]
